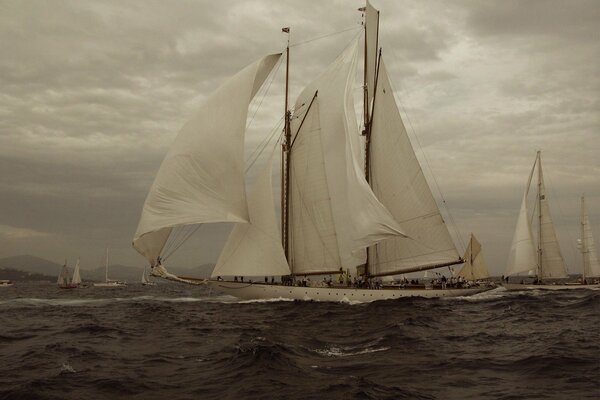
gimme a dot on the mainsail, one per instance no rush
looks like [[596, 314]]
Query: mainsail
[[399, 183], [591, 265], [201, 179], [63, 276], [334, 214], [522, 259], [475, 266]]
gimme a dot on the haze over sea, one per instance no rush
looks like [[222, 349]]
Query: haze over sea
[[180, 342]]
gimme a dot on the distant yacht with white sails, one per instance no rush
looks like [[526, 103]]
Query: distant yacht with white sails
[[109, 283], [542, 258], [338, 217]]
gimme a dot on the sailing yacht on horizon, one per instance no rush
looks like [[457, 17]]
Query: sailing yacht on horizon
[[542, 258], [590, 263], [64, 280], [336, 216], [109, 283]]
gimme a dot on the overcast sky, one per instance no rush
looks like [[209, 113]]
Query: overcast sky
[[93, 92]]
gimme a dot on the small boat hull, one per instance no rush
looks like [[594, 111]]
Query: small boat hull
[[256, 291], [571, 286], [110, 284]]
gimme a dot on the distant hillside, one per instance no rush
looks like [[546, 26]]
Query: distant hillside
[[31, 264], [36, 265], [16, 275]]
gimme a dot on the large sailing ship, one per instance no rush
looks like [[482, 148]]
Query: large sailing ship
[[541, 259], [347, 207]]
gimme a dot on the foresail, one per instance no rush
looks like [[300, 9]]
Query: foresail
[[591, 264], [553, 265], [338, 213], [201, 179], [475, 266], [76, 274], [254, 248], [399, 183]]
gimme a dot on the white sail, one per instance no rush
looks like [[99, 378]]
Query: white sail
[[591, 265], [553, 265], [254, 248], [201, 179], [76, 274], [333, 212], [475, 267], [399, 183]]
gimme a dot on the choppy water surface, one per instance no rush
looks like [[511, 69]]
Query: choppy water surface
[[179, 342]]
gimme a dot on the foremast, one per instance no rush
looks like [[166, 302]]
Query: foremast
[[373, 66], [285, 158]]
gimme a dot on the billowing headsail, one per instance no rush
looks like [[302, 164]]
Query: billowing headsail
[[76, 274], [475, 266], [201, 179], [553, 265], [399, 183], [254, 248], [334, 214], [591, 265]]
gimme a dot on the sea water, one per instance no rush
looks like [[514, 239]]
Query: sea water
[[173, 341]]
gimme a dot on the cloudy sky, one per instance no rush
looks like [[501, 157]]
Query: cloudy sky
[[93, 92]]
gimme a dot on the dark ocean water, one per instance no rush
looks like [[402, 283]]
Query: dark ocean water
[[178, 342]]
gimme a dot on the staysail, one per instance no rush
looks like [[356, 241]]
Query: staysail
[[254, 248], [201, 179], [333, 212], [475, 266], [76, 274], [591, 265], [399, 183]]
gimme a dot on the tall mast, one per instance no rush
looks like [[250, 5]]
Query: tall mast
[[106, 267], [366, 106], [539, 158], [286, 145]]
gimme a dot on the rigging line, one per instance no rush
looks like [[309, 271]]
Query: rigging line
[[267, 138], [326, 35], [266, 90], [262, 146], [188, 235]]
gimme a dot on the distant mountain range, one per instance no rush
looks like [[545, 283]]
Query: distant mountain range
[[38, 267]]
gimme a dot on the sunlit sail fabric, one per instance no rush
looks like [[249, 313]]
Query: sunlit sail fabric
[[475, 266], [399, 183], [591, 265], [254, 248], [201, 179], [334, 214]]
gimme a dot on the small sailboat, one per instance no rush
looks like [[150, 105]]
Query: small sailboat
[[145, 280], [6, 283], [376, 216], [109, 283], [64, 280], [76, 279], [544, 261]]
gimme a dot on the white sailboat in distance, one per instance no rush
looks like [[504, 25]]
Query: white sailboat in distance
[[109, 283], [591, 265], [544, 261], [338, 217]]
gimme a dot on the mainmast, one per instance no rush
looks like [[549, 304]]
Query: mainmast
[[366, 104], [540, 198], [285, 157]]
